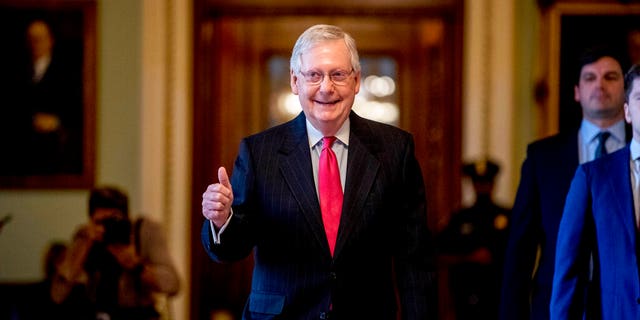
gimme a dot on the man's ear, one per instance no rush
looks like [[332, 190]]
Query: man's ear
[[627, 114], [293, 82]]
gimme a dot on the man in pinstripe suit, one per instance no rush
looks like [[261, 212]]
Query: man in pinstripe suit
[[383, 250]]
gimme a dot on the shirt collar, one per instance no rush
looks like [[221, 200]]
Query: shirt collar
[[315, 136], [589, 131], [634, 147]]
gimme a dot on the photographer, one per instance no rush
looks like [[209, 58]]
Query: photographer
[[123, 263]]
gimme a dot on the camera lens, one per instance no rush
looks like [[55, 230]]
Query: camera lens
[[117, 231]]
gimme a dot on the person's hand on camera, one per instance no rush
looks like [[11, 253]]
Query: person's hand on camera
[[92, 232]]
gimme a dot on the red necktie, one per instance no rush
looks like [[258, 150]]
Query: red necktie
[[330, 190]]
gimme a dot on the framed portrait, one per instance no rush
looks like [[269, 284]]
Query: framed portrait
[[569, 28], [47, 90]]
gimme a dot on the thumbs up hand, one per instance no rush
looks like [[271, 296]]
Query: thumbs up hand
[[217, 199]]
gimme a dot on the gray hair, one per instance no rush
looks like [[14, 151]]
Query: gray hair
[[317, 34]]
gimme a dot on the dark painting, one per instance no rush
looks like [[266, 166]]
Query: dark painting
[[47, 82]]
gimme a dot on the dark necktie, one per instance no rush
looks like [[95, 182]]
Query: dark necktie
[[602, 137], [330, 189]]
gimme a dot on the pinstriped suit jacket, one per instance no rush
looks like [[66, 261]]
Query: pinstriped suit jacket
[[383, 241]]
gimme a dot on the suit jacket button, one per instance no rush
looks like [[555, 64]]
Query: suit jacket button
[[333, 276], [324, 316]]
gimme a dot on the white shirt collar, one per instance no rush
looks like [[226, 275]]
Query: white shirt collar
[[634, 147], [315, 136], [40, 66], [589, 131]]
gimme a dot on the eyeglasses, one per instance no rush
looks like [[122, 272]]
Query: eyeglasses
[[338, 77]]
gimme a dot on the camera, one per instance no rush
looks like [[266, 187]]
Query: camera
[[116, 231]]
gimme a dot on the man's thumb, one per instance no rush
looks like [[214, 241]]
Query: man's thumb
[[223, 177]]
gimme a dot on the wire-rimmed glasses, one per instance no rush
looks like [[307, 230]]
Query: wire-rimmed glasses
[[337, 77]]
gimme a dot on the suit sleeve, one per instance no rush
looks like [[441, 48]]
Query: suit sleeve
[[238, 238], [522, 245], [572, 252]]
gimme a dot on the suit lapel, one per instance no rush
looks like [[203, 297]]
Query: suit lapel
[[296, 170], [362, 168]]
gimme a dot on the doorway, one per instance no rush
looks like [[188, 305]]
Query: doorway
[[236, 90]]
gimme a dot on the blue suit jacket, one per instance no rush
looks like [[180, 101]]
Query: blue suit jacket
[[598, 217], [383, 239], [545, 179]]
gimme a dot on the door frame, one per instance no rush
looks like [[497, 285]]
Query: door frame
[[231, 47]]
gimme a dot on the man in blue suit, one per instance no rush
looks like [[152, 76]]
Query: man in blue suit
[[600, 219], [545, 178], [272, 204]]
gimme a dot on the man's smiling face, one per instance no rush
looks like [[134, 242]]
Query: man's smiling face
[[326, 105]]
